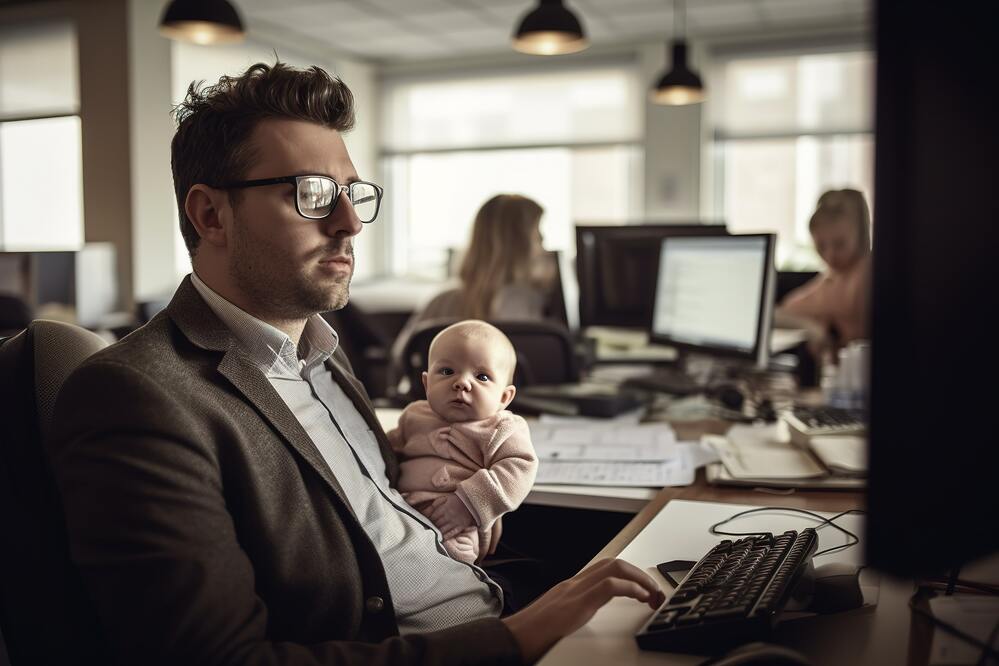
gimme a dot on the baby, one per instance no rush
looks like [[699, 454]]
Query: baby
[[465, 460]]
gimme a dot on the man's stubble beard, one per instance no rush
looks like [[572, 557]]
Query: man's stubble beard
[[287, 294]]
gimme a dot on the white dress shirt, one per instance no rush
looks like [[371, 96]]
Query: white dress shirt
[[430, 590]]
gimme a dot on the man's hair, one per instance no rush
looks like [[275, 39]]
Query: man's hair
[[475, 329], [214, 124]]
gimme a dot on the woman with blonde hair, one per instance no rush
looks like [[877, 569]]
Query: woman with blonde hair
[[833, 306], [505, 273]]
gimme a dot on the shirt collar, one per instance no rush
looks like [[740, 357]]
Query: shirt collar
[[267, 346]]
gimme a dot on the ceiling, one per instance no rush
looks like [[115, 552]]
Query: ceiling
[[401, 30]]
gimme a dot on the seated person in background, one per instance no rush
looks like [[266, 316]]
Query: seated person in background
[[833, 305], [229, 495], [464, 459], [503, 273]]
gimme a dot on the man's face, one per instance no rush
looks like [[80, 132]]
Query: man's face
[[287, 266], [468, 379]]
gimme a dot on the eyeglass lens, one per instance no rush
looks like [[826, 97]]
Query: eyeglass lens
[[317, 197]]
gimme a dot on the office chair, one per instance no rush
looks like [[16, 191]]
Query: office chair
[[45, 614], [545, 354], [365, 346], [14, 314]]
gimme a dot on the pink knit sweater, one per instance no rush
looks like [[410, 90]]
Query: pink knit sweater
[[491, 467]]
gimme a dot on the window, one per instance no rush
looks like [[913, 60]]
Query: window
[[41, 173], [567, 138], [787, 128]]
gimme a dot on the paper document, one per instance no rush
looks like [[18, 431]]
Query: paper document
[[759, 462], [841, 453], [678, 471], [588, 441]]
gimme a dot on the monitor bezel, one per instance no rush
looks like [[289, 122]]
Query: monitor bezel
[[588, 263], [760, 352]]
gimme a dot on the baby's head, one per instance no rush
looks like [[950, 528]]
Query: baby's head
[[470, 373]]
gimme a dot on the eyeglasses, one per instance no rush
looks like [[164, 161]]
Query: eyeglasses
[[316, 196]]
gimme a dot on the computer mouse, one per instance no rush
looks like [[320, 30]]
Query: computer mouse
[[836, 588], [759, 653]]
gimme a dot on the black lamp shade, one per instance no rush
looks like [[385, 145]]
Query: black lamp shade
[[680, 85], [202, 22], [550, 29]]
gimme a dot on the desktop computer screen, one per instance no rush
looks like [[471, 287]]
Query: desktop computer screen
[[715, 295], [616, 267]]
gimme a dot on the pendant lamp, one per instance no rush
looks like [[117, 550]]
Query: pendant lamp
[[680, 84], [202, 22], [550, 29]]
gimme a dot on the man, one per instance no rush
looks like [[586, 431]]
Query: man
[[228, 490]]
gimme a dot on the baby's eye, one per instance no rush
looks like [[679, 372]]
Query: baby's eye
[[482, 377], [446, 371]]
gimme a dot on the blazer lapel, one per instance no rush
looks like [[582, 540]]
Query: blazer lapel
[[202, 327], [255, 388]]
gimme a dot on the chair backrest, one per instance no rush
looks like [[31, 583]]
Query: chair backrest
[[45, 614], [545, 353], [14, 314]]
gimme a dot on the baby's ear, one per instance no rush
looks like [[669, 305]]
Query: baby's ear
[[424, 377], [507, 397]]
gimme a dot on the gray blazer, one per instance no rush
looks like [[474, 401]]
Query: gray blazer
[[206, 524]]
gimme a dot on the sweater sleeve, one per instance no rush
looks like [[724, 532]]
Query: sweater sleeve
[[508, 475]]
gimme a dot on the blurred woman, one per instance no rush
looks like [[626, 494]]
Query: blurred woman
[[833, 306]]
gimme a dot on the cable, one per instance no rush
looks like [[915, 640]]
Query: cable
[[988, 645], [987, 649], [823, 521]]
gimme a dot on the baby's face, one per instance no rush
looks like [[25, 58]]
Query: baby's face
[[468, 379]]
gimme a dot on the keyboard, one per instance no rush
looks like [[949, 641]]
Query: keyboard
[[733, 595], [805, 422], [665, 381]]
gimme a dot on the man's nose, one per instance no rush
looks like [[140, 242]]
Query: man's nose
[[343, 220]]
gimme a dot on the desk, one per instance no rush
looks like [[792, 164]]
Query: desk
[[878, 635]]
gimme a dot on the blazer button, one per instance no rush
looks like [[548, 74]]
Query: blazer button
[[374, 604]]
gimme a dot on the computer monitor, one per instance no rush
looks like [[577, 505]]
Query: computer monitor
[[934, 456], [616, 268], [715, 295]]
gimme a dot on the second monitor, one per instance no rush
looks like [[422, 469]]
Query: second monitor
[[715, 295]]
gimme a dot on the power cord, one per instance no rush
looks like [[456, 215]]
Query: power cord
[[823, 522]]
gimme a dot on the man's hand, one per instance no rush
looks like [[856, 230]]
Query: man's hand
[[570, 604], [450, 515]]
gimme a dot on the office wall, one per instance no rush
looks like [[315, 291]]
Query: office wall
[[151, 127], [102, 37]]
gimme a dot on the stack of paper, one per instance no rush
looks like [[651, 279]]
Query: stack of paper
[[763, 455], [585, 452]]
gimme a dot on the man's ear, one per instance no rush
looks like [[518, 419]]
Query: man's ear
[[507, 397], [203, 206], [424, 377]]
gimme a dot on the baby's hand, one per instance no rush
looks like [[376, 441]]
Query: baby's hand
[[446, 436], [450, 515]]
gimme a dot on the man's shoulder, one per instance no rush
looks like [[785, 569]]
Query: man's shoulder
[[158, 349]]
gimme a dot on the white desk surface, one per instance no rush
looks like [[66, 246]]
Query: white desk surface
[[876, 635]]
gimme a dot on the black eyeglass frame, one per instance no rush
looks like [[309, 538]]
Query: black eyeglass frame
[[295, 180]]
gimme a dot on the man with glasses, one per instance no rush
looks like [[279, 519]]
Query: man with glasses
[[229, 494]]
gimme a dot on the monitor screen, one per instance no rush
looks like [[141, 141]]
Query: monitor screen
[[715, 294], [616, 268]]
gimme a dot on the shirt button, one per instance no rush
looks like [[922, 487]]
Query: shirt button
[[374, 604]]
